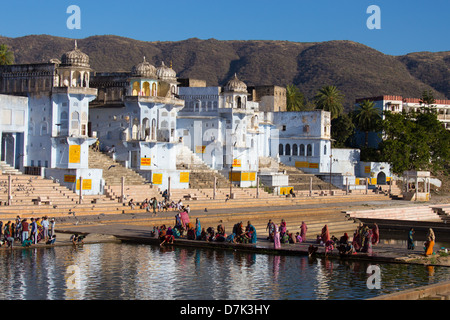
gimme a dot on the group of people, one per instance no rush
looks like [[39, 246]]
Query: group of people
[[27, 233], [184, 228], [280, 234], [153, 205], [428, 244]]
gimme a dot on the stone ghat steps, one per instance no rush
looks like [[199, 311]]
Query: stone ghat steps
[[6, 169], [283, 201], [113, 171], [301, 181], [26, 188], [422, 213], [205, 179], [315, 219], [221, 193], [136, 192], [112, 207], [443, 211]]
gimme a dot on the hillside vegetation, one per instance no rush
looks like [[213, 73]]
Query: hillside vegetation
[[357, 70]]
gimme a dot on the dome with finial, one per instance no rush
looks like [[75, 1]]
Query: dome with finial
[[236, 85], [75, 58], [166, 73], [144, 69]]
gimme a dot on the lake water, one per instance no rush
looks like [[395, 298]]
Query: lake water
[[128, 271]]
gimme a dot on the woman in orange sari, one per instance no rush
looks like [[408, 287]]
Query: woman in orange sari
[[429, 244], [325, 234]]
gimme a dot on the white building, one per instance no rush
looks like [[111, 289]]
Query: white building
[[225, 129], [137, 113], [58, 96]]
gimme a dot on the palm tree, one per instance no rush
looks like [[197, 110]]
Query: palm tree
[[329, 98], [427, 100], [6, 56], [294, 98], [367, 118]]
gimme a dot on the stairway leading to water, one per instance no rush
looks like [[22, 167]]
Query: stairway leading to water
[[7, 169], [301, 181], [201, 175], [113, 171]]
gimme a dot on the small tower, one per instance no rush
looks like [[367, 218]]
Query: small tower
[[235, 94]]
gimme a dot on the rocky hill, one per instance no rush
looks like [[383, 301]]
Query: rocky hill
[[357, 70]]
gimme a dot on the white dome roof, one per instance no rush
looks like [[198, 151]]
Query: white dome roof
[[75, 58], [166, 73], [236, 85], [144, 69]]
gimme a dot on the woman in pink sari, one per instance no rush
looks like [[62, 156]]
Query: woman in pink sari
[[303, 229], [276, 238]]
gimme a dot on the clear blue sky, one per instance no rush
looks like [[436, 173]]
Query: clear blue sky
[[406, 26]]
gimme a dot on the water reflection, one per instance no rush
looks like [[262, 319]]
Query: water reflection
[[113, 271]]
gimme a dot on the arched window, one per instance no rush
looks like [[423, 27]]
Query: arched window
[[288, 149], [280, 149], [75, 124], [134, 132], [146, 89], [309, 150], [325, 149], [238, 102], [154, 89], [294, 150], [153, 137], [44, 128], [302, 150], [146, 128], [136, 88]]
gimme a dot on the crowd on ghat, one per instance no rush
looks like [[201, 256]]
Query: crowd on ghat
[[363, 240], [153, 205], [27, 232]]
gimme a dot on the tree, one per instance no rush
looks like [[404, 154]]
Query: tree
[[342, 128], [329, 98], [367, 118], [6, 56], [427, 98], [414, 141], [295, 100]]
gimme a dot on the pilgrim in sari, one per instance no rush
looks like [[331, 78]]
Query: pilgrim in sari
[[303, 229], [198, 229], [325, 236], [276, 238], [271, 228], [283, 228], [329, 245], [344, 238], [40, 230], [184, 219], [429, 244], [411, 244], [375, 234], [251, 232], [368, 241]]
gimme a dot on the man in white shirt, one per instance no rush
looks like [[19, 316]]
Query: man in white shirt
[[45, 225]]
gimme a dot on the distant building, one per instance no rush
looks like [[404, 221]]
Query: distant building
[[399, 104], [270, 98]]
